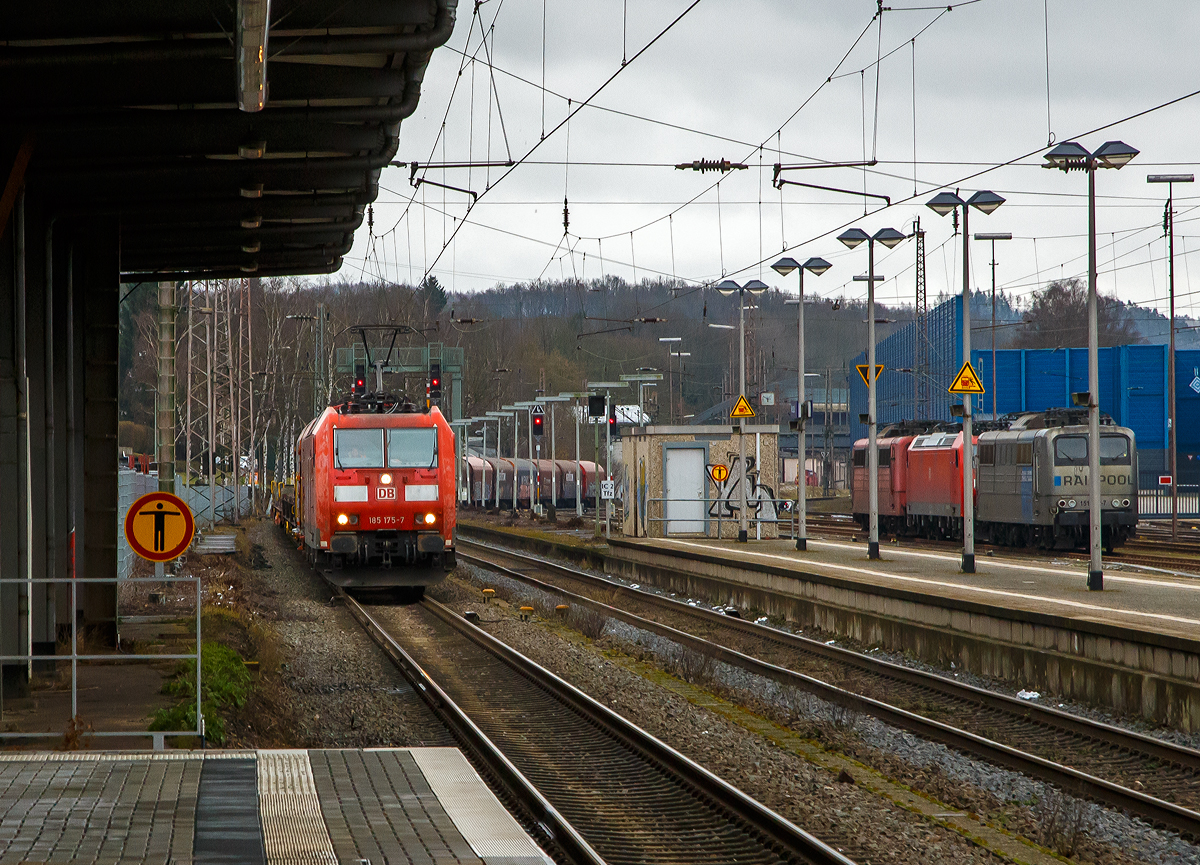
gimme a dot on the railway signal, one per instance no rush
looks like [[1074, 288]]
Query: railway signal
[[539, 419], [435, 380], [612, 419], [360, 379], [596, 405]]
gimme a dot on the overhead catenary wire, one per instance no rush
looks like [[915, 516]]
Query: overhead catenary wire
[[653, 41]]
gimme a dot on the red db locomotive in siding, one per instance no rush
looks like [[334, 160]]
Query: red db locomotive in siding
[[375, 497]]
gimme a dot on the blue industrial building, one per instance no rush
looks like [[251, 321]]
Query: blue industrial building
[[1133, 386]]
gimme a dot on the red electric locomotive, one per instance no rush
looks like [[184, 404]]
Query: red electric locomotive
[[375, 497], [894, 484]]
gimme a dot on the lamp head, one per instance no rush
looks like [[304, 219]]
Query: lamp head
[[852, 237], [1068, 156], [943, 203], [756, 286], [889, 237], [785, 266], [817, 265], [728, 287], [1115, 154], [985, 200]]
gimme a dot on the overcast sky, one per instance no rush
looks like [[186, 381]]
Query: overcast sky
[[725, 78]]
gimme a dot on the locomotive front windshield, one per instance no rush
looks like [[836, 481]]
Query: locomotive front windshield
[[412, 448], [1073, 451], [358, 448]]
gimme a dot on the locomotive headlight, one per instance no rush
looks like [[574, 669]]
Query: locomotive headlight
[[1071, 503], [1116, 503], [1062, 503], [385, 479], [343, 519], [430, 519], [1124, 503]]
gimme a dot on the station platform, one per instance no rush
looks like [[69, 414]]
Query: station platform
[[1161, 604], [380, 806], [1133, 647]]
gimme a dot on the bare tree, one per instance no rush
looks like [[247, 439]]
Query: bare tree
[[1058, 318]]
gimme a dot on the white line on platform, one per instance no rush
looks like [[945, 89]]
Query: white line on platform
[[1014, 566], [857, 569]]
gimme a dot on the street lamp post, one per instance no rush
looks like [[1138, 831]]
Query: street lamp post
[[1169, 229], [551, 400], [993, 237], [498, 417], [580, 491], [783, 267], [1071, 156], [941, 204], [727, 288], [890, 238], [671, 342], [516, 416]]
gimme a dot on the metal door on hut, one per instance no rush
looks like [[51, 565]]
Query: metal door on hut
[[683, 489]]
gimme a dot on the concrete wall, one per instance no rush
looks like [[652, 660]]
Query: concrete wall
[[1136, 673]]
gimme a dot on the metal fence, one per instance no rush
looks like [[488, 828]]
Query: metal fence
[[1156, 503], [197, 498], [130, 486]]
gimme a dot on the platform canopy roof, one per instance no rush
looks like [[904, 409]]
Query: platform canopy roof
[[149, 110]]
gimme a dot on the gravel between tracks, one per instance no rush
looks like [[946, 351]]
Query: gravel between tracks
[[953, 777], [337, 686], [807, 795]]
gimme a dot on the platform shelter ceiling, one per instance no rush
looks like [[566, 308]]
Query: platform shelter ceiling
[[132, 109]]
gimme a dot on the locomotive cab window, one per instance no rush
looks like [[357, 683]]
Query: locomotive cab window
[[1114, 451], [412, 448], [1070, 451], [358, 448]]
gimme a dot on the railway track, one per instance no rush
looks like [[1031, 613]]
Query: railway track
[[600, 787], [1148, 778]]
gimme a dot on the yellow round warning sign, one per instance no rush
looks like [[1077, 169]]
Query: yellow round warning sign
[[159, 527], [719, 472]]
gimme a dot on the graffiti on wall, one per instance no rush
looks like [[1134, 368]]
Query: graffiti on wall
[[760, 498]]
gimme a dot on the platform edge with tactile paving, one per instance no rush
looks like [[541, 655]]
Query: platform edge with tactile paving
[[387, 806]]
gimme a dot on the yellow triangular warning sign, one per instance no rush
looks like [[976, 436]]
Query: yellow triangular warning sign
[[741, 408], [966, 381], [862, 371]]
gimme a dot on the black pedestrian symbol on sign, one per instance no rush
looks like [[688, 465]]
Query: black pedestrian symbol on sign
[[160, 525]]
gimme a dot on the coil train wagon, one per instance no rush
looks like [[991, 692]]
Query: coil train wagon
[[559, 485], [1031, 481], [374, 503]]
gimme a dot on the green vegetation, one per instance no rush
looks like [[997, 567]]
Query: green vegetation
[[225, 684]]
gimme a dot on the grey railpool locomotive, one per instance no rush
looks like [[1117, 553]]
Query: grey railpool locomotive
[[1032, 482]]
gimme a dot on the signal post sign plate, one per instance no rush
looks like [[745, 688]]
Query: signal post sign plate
[[862, 371], [741, 408], [718, 472], [159, 527], [967, 382]]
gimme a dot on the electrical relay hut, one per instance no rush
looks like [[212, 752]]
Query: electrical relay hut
[[683, 481]]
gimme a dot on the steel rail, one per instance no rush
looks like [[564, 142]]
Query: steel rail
[[549, 820], [776, 830], [1158, 811]]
